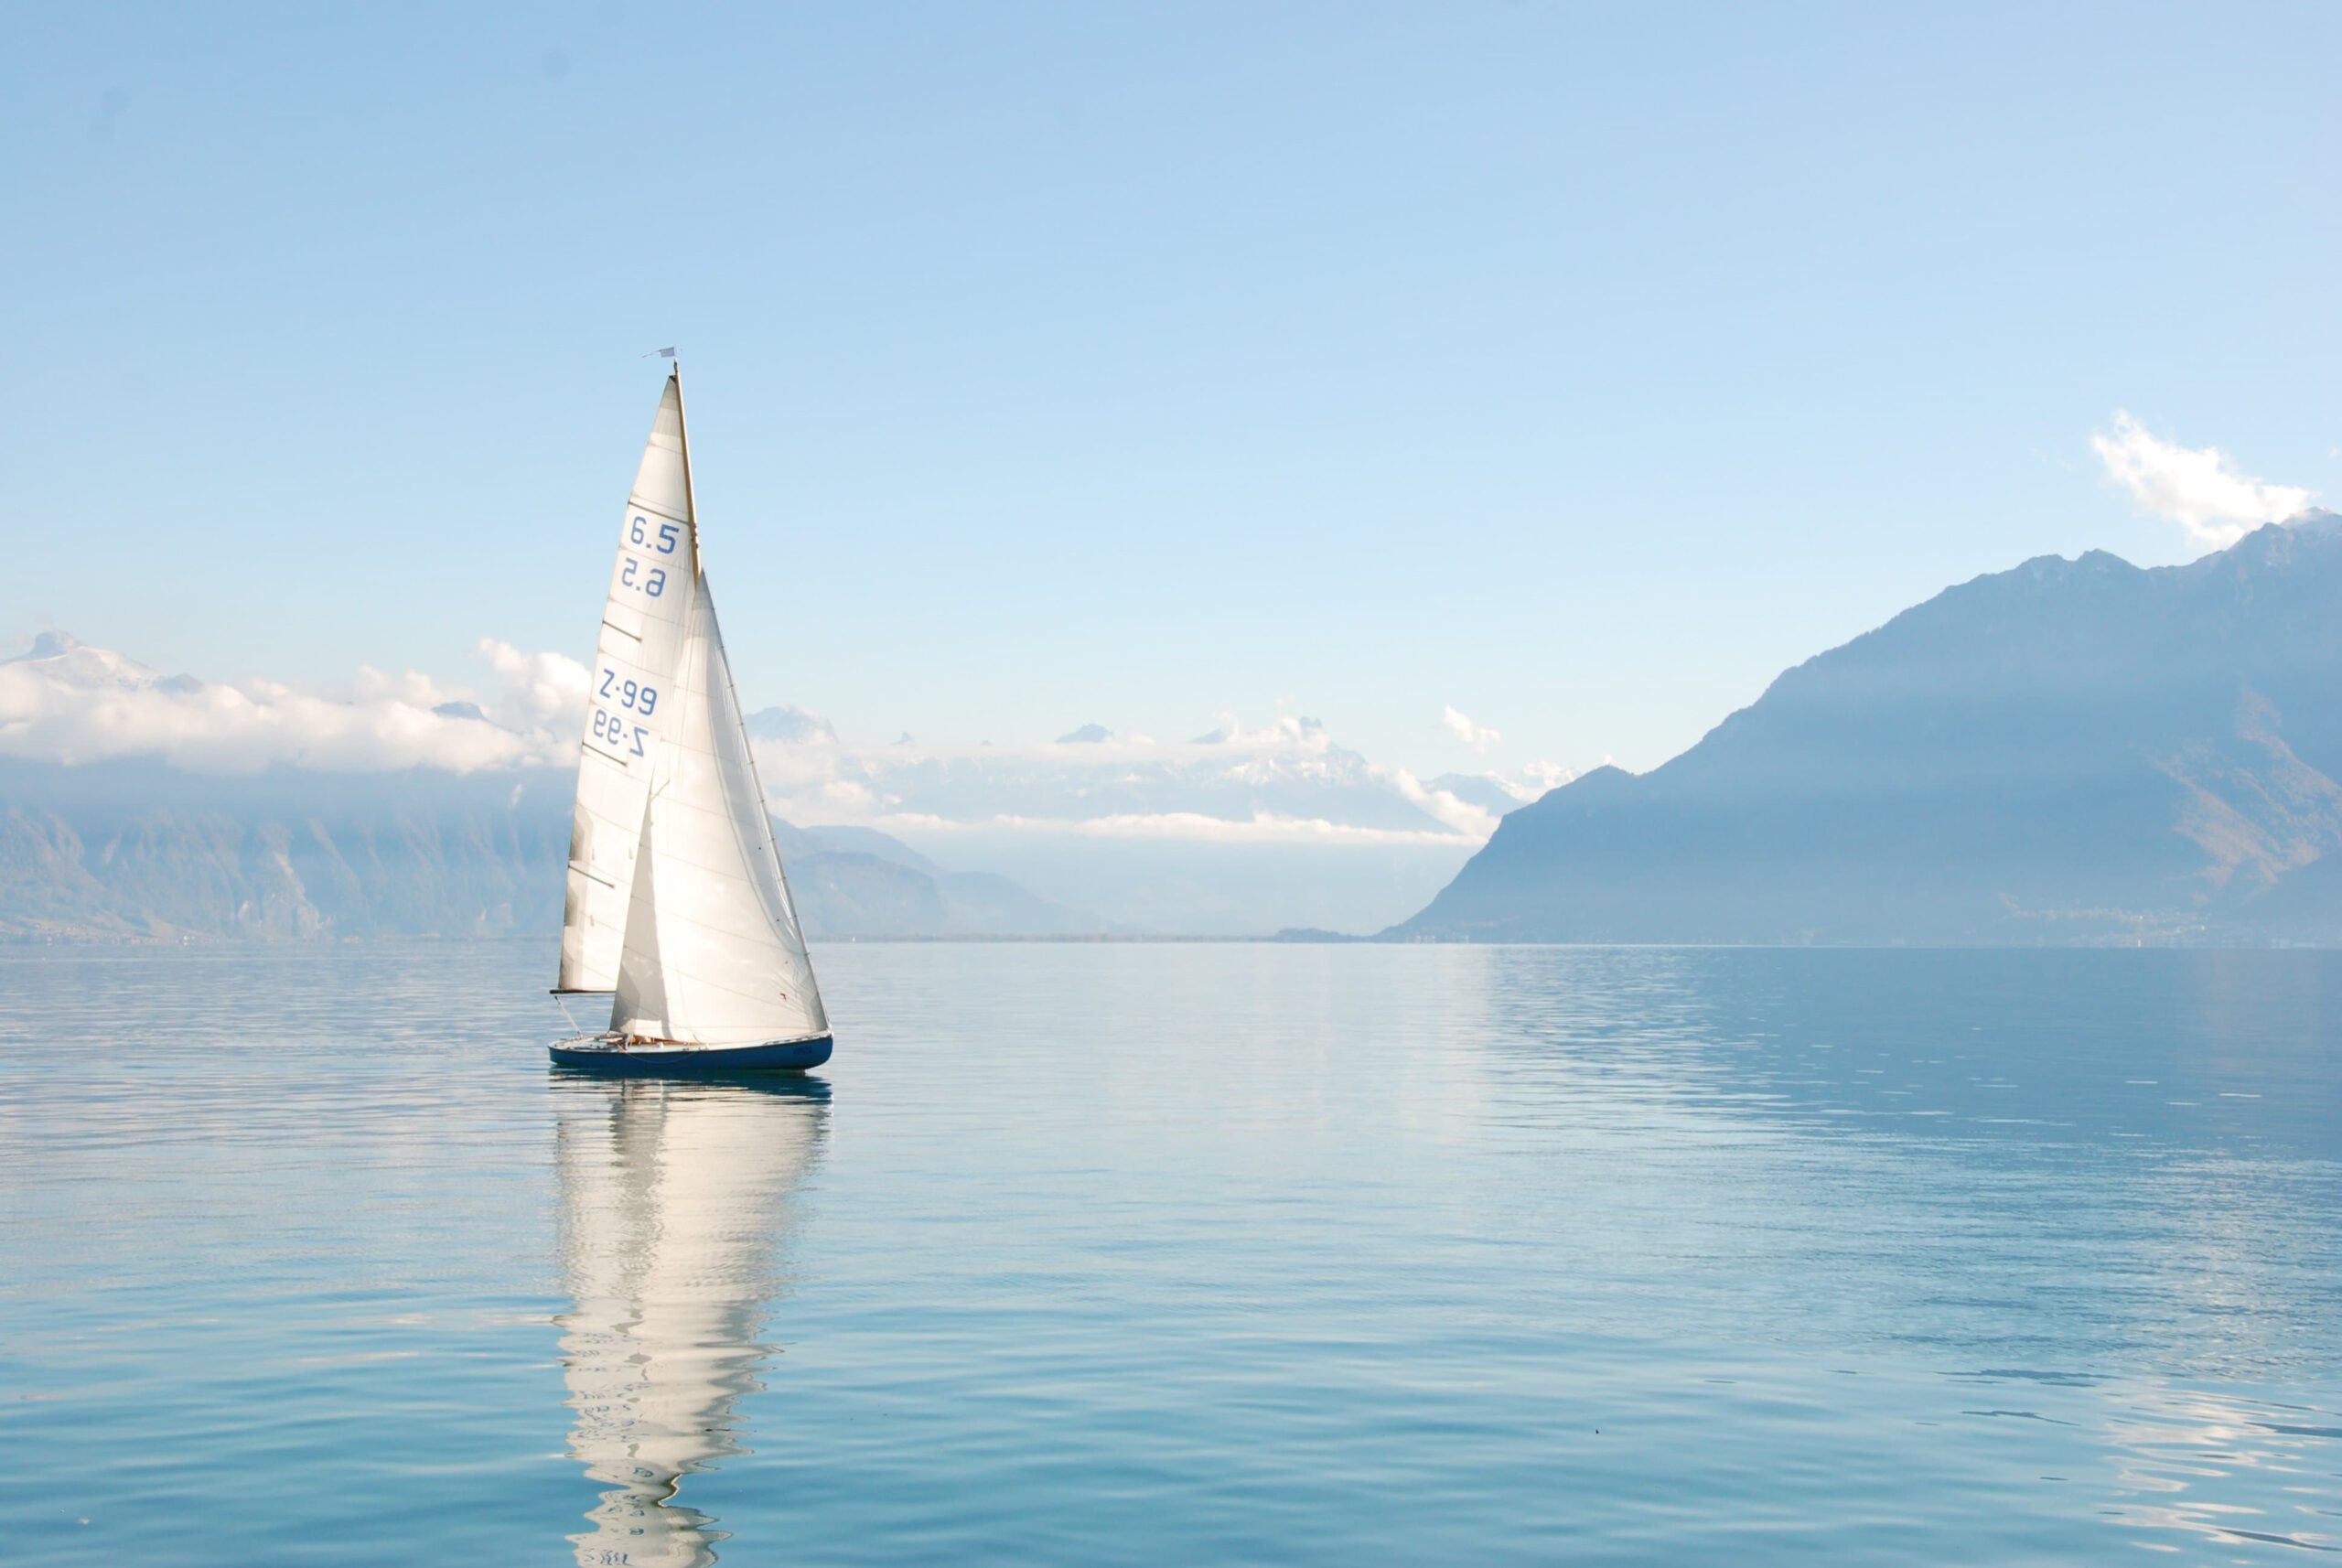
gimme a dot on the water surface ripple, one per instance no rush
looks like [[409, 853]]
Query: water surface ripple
[[1181, 1252]]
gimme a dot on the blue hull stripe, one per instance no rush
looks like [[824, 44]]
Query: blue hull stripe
[[786, 1056]]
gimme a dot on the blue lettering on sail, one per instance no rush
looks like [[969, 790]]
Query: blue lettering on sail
[[613, 730], [637, 696], [669, 535], [652, 584]]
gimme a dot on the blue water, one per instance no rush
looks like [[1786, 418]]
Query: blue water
[[1181, 1253]]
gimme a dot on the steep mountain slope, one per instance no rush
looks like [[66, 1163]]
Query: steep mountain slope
[[2073, 750]]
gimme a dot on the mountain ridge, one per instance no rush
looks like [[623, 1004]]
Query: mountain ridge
[[2080, 750]]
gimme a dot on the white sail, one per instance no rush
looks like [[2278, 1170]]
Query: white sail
[[713, 954], [631, 706], [675, 1202]]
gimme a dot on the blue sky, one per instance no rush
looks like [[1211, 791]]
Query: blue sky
[[1576, 368]]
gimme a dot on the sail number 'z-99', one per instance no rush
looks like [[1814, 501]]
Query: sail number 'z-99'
[[638, 531], [612, 730], [640, 696]]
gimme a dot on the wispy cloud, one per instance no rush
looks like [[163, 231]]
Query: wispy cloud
[[1458, 814], [2199, 488], [1479, 737]]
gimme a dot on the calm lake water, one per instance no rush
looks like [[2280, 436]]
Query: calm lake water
[[1181, 1253]]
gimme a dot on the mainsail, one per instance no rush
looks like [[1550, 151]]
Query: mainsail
[[630, 706], [677, 903]]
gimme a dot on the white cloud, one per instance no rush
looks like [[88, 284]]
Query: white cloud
[[67, 703], [540, 688], [1538, 777], [2198, 488], [846, 800], [1473, 821], [1479, 737], [1288, 782]]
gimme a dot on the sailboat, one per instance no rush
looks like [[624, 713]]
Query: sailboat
[[676, 902]]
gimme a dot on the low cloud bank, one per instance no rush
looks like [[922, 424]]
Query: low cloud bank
[[65, 702], [1287, 782]]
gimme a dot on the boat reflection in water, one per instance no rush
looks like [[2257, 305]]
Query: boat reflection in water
[[676, 1201]]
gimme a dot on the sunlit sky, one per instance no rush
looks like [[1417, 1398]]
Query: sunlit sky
[[1577, 369]]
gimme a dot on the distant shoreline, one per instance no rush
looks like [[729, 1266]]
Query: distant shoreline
[[22, 943]]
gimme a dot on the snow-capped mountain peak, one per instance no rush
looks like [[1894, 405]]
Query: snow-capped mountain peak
[[65, 660]]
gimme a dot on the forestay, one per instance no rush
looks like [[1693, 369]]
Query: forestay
[[630, 707], [713, 953]]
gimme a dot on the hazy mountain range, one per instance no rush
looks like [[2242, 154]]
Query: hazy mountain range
[[2071, 751], [1233, 832], [130, 850], [135, 803]]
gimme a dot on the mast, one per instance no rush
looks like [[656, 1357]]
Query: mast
[[683, 438]]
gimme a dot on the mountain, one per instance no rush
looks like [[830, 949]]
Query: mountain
[[794, 726], [856, 881], [130, 850], [2072, 751], [1497, 797], [66, 661], [134, 850]]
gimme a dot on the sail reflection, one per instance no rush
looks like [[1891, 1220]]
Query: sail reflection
[[675, 1198]]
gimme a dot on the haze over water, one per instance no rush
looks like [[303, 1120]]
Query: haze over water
[[1181, 1252]]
